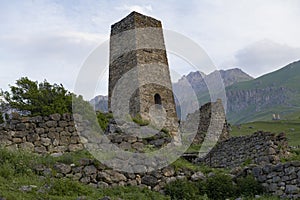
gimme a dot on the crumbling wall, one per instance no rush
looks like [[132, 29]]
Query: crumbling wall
[[49, 134], [259, 148], [202, 118]]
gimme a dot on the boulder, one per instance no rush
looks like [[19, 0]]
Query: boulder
[[198, 176], [62, 168], [149, 180], [55, 117], [91, 169]]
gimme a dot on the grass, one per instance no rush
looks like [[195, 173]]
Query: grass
[[140, 121], [279, 77], [290, 127], [295, 155], [66, 189], [250, 114], [181, 163], [287, 78], [193, 148], [16, 171], [103, 119]]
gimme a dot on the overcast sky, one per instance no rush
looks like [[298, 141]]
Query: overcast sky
[[51, 39]]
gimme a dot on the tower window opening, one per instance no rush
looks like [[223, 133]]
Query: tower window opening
[[157, 99]]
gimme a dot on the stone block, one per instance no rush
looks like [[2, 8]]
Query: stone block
[[55, 117], [40, 149], [62, 168]]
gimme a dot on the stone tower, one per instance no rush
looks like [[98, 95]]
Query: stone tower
[[139, 70]]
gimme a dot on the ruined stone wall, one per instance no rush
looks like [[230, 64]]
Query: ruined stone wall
[[57, 134], [259, 148], [49, 134], [282, 179], [202, 118], [90, 171]]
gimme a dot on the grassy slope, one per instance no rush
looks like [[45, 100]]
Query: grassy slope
[[15, 172], [264, 115], [287, 77], [290, 125]]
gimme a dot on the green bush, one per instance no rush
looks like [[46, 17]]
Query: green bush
[[38, 98], [181, 190], [103, 119], [20, 161], [220, 187], [294, 155], [140, 121], [249, 187], [165, 130], [133, 193], [67, 187], [66, 158], [6, 170]]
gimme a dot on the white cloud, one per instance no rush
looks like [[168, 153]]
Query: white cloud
[[265, 56], [145, 9], [50, 39], [56, 57]]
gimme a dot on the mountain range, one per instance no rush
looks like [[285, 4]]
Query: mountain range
[[100, 103], [258, 99], [248, 99]]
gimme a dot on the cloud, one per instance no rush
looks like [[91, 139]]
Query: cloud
[[265, 56], [56, 57], [145, 9], [50, 39]]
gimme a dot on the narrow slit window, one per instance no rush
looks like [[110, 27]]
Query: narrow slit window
[[157, 99]]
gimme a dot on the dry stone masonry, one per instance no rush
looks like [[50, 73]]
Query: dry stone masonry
[[50, 134], [259, 148], [202, 118], [124, 135], [282, 179], [57, 134], [92, 172], [139, 76]]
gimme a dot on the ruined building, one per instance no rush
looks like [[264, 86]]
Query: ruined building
[[139, 77]]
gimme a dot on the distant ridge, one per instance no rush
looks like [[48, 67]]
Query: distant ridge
[[248, 99], [197, 80], [258, 99], [100, 103]]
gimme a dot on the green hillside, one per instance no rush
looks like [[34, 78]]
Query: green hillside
[[288, 76], [257, 100], [289, 125], [291, 128]]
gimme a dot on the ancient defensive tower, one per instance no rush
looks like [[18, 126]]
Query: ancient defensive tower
[[139, 68]]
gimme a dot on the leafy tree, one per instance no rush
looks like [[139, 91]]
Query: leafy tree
[[38, 98]]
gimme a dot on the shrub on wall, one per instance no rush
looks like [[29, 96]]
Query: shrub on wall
[[182, 190], [220, 186], [103, 119], [249, 187]]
